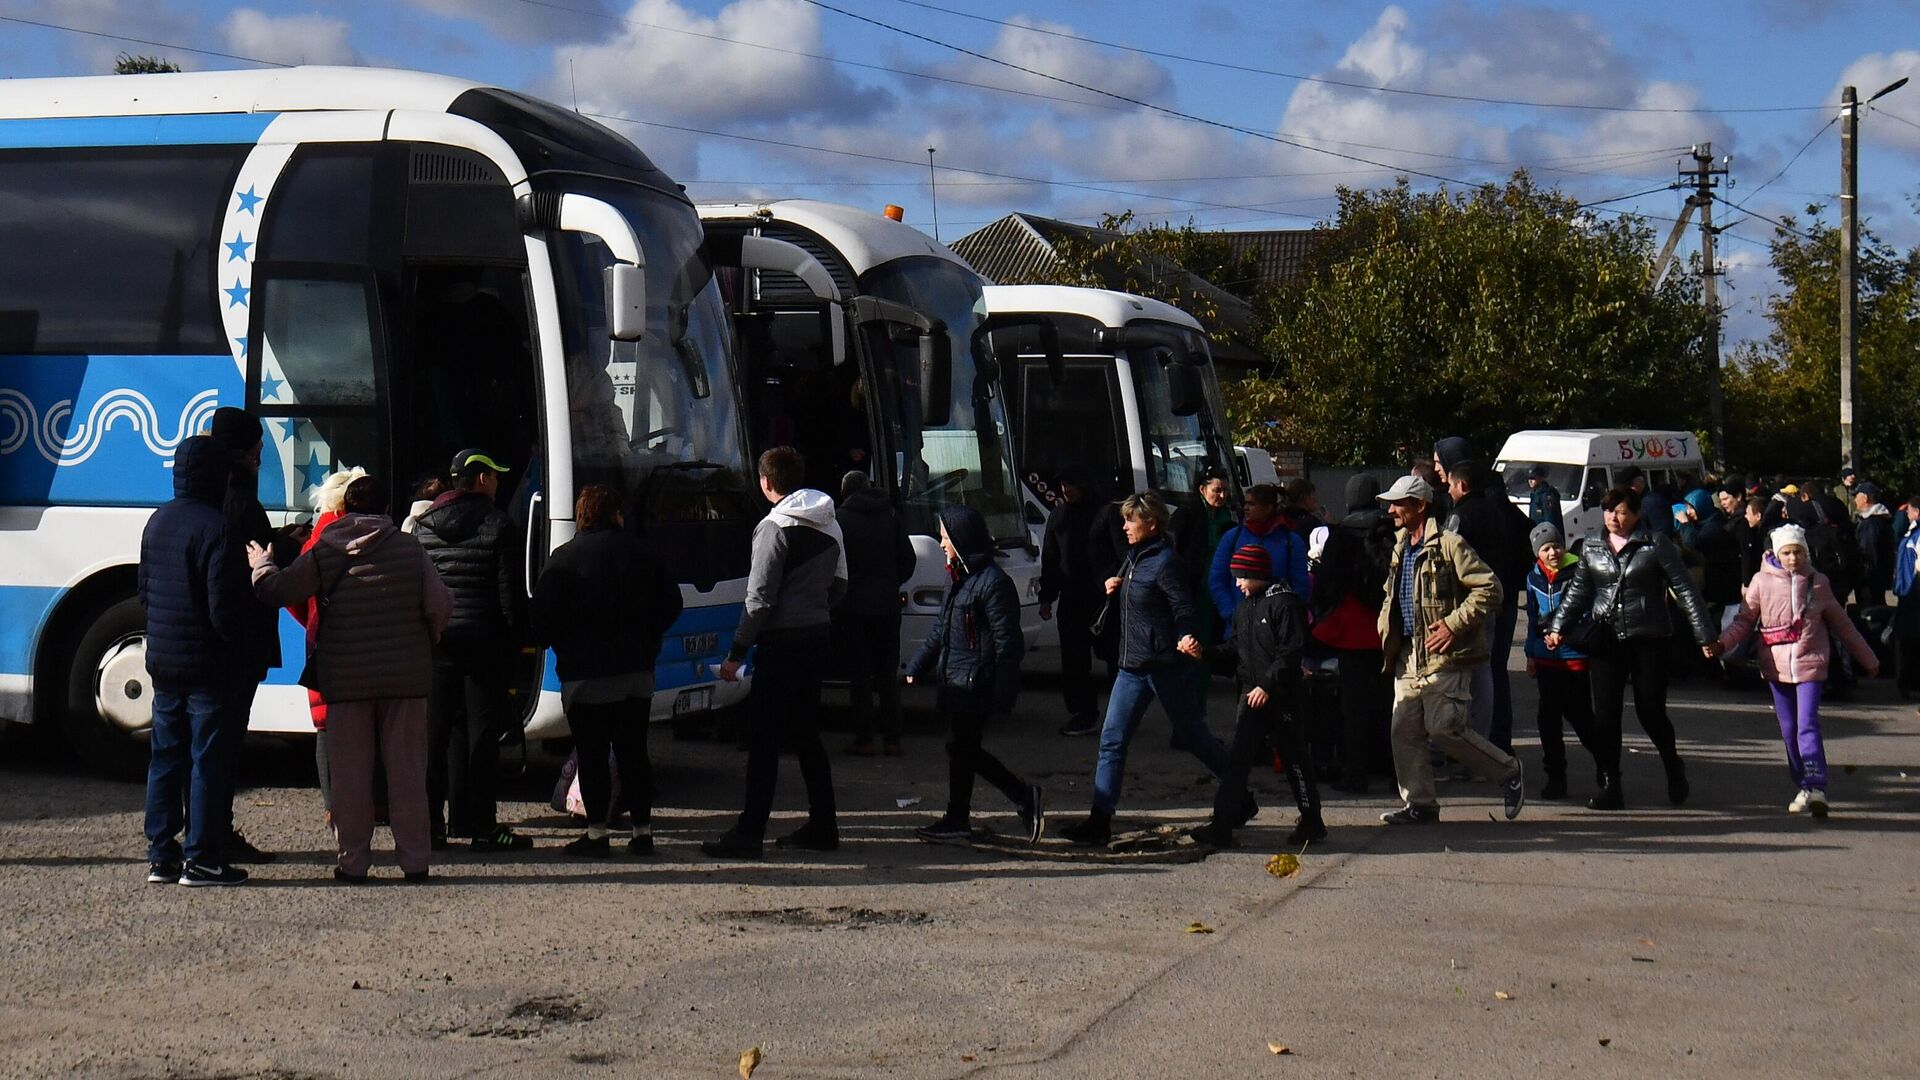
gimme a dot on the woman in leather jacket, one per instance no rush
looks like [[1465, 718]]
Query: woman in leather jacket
[[1616, 610]]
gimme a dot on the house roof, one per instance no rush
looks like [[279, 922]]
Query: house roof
[[1281, 251]]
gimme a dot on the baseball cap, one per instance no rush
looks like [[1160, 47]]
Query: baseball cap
[[1407, 487], [471, 461]]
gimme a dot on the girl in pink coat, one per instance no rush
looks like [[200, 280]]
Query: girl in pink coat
[[1795, 610]]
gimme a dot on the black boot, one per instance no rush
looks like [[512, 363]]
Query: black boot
[[1556, 786], [1609, 797], [1095, 831], [1310, 830], [1677, 787]]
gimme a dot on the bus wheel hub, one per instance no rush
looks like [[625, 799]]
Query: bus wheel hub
[[122, 695]]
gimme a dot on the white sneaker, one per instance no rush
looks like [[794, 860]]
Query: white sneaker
[[1816, 802], [1799, 802]]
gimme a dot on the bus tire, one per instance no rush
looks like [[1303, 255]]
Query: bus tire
[[110, 646]]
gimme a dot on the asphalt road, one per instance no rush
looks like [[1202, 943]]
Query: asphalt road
[[1725, 939]]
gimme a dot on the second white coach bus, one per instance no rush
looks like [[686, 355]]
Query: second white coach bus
[[385, 267]]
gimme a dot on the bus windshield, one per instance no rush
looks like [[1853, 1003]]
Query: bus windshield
[[964, 461], [1177, 447], [656, 419]]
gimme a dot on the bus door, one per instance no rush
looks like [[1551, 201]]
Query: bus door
[[1076, 420]]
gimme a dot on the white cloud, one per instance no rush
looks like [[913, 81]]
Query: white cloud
[[689, 78], [1867, 75], [288, 39], [1130, 75], [95, 55], [507, 20]]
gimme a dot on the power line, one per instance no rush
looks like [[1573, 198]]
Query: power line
[[1164, 110], [1896, 116], [1296, 76], [1783, 226], [1796, 155], [1623, 198], [142, 41]]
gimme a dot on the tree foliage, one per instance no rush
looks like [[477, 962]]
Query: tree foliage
[[1471, 313], [1182, 266], [129, 64], [1783, 394]]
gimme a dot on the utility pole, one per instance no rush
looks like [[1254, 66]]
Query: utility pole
[[1849, 274], [1703, 178]]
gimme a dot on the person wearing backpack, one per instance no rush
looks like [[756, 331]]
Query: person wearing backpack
[[1796, 612], [382, 606], [972, 654], [1559, 673], [1348, 590], [1265, 526], [603, 603]]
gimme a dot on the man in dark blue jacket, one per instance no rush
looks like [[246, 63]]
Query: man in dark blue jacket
[[193, 582]]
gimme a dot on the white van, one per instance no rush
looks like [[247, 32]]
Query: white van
[[1581, 464]]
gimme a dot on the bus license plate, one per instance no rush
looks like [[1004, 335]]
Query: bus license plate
[[701, 644], [693, 701]]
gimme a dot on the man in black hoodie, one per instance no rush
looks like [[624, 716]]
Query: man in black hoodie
[[240, 435], [1348, 589], [1496, 529], [192, 581], [476, 548], [1070, 579], [879, 560]]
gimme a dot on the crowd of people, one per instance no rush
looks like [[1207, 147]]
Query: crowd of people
[[1405, 606]]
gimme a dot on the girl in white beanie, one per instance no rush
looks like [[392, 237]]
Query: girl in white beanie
[[1795, 609]]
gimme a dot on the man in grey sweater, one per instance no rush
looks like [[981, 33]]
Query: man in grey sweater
[[799, 572]]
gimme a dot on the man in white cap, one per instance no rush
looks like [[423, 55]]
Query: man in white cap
[[1440, 595]]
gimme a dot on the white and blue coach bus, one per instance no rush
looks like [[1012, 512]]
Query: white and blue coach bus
[[385, 267]]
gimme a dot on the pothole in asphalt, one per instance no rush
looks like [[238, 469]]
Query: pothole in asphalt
[[827, 918], [532, 1017]]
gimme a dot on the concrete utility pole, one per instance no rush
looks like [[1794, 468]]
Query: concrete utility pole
[[1849, 273], [1703, 178]]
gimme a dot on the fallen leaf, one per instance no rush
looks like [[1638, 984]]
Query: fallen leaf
[[966, 1057], [749, 1061], [1199, 928], [903, 803], [1502, 995], [1283, 865], [1649, 942], [1606, 1042], [1279, 1048]]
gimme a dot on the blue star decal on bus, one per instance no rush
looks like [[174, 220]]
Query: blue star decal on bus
[[284, 427], [248, 200], [314, 472], [237, 296], [270, 387], [242, 342], [237, 247]]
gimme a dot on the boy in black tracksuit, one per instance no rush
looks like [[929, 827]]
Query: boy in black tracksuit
[[1269, 640], [972, 655]]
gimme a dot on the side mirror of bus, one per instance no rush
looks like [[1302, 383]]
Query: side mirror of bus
[[1010, 345], [626, 291], [1185, 392], [936, 377]]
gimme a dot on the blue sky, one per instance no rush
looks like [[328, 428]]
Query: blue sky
[[820, 89]]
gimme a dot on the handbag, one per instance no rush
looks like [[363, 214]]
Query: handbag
[[1781, 635], [310, 671]]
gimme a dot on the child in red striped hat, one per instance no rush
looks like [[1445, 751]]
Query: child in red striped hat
[[1268, 643]]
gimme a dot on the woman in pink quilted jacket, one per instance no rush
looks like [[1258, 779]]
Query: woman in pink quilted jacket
[[1794, 609]]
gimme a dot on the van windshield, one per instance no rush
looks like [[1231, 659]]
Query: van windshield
[[1564, 478]]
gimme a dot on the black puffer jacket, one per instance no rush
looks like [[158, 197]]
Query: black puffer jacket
[[973, 651], [1628, 592], [1497, 531], [1068, 571], [1155, 606], [247, 522], [193, 579], [603, 603], [1269, 640], [477, 550], [879, 553], [1358, 554]]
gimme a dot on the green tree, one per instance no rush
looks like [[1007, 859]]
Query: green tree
[[1471, 313], [1182, 266], [129, 64], [1783, 394]]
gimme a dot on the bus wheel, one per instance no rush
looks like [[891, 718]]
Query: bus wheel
[[109, 694]]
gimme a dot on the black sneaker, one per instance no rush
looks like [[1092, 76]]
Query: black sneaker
[[1411, 815], [500, 838], [1212, 836], [731, 845], [1248, 811], [1095, 831], [163, 873], [416, 877], [1081, 725], [1555, 788], [194, 874], [945, 832], [1033, 816], [812, 836], [239, 851], [640, 845], [437, 841], [345, 878], [1513, 789], [589, 847], [1310, 830]]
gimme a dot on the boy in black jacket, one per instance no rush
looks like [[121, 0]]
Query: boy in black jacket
[[973, 655], [1269, 640]]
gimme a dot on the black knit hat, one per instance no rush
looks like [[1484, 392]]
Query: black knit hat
[[235, 430]]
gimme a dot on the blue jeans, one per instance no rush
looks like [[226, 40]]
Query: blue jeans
[[195, 746], [1133, 691]]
